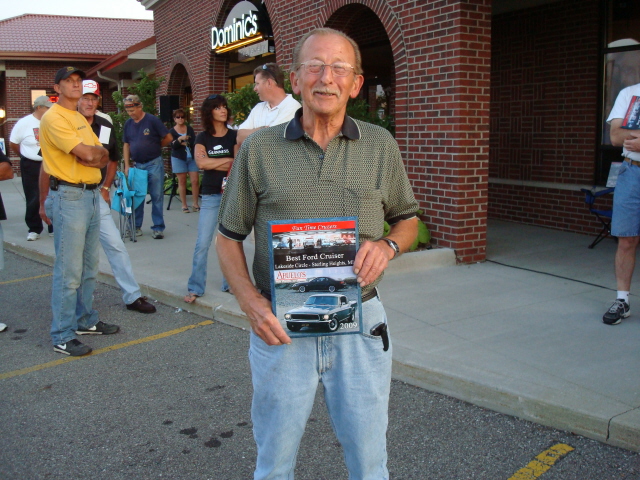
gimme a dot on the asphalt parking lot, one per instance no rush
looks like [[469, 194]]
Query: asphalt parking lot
[[169, 397]]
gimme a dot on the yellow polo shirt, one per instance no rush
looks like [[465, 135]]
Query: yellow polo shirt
[[61, 130]]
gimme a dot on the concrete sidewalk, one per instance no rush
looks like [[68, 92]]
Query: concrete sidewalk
[[521, 334]]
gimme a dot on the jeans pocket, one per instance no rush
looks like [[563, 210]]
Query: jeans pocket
[[372, 314], [70, 194]]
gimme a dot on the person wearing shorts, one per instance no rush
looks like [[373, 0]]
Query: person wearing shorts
[[182, 161], [625, 223]]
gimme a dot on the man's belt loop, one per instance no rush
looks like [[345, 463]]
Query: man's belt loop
[[632, 162]]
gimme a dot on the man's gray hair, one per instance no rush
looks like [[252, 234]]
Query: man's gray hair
[[324, 32], [132, 99]]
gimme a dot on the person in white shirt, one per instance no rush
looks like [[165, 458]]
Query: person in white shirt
[[25, 142], [625, 223], [276, 105]]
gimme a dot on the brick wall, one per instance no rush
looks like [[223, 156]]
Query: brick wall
[[544, 94], [441, 53]]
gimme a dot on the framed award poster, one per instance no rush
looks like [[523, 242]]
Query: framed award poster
[[313, 288]]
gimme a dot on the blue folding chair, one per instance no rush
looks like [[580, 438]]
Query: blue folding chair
[[604, 216], [130, 193]]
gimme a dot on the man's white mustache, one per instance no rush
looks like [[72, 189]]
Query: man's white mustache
[[325, 91]]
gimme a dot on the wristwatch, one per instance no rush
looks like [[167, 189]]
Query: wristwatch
[[106, 188], [393, 245]]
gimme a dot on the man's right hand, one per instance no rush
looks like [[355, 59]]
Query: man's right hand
[[43, 214], [263, 322]]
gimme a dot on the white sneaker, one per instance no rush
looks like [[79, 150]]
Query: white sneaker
[[33, 236], [3, 327]]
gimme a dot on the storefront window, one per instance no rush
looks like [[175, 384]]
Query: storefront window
[[620, 69]]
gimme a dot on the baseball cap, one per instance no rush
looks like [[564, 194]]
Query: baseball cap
[[42, 101], [90, 86], [65, 72]]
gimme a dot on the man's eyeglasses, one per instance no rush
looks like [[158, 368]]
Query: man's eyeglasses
[[131, 105], [178, 116], [339, 69]]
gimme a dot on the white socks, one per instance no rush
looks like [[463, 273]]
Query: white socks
[[623, 296]]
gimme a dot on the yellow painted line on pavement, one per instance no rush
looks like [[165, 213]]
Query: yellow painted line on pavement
[[25, 279], [542, 462], [55, 363]]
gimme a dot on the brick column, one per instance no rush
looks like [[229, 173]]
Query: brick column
[[448, 120]]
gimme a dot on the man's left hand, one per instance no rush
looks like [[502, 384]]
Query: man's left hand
[[371, 260], [632, 143], [105, 195]]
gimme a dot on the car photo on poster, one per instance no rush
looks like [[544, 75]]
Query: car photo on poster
[[319, 284], [327, 311]]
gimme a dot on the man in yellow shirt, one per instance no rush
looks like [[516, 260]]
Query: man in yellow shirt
[[72, 156]]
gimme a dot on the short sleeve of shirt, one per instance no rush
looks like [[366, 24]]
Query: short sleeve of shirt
[[16, 132], [249, 122], [160, 127], [239, 214], [622, 102], [200, 139]]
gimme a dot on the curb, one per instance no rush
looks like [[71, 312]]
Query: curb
[[549, 409]]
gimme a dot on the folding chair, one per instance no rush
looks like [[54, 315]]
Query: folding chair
[[604, 216], [129, 195]]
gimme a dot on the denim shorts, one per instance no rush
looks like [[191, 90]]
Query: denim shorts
[[183, 166], [625, 221]]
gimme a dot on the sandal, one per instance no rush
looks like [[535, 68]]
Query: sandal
[[186, 210], [195, 208], [190, 297]]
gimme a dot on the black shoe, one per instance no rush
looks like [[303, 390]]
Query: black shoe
[[141, 305], [618, 310], [73, 347], [99, 328]]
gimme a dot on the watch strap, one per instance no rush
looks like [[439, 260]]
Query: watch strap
[[393, 245]]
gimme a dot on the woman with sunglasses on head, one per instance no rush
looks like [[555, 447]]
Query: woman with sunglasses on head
[[213, 154], [182, 161]]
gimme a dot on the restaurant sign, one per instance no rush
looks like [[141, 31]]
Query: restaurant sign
[[240, 29]]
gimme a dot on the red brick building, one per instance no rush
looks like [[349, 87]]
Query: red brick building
[[499, 106], [34, 47]]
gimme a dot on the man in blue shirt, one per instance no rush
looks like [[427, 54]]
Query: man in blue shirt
[[144, 136]]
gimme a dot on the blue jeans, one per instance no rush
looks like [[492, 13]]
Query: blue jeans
[[117, 255], [155, 188], [207, 223], [1, 248], [356, 374], [625, 221], [75, 214]]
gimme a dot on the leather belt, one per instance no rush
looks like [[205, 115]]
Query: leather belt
[[632, 162], [86, 186], [365, 298]]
